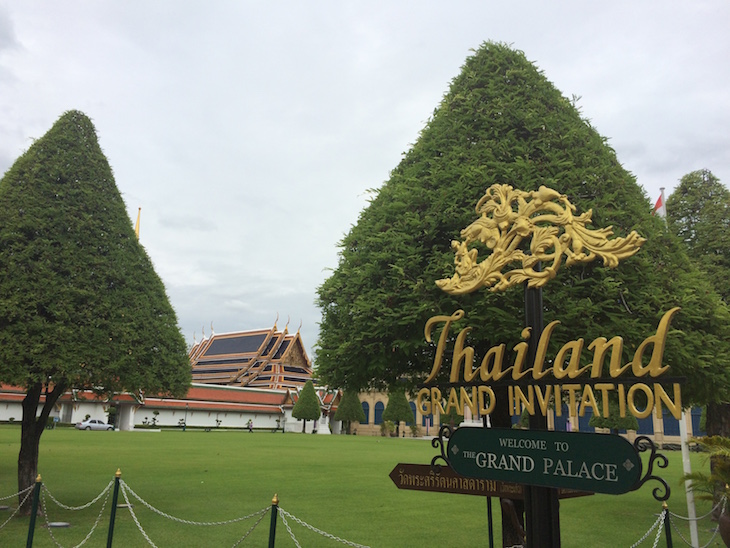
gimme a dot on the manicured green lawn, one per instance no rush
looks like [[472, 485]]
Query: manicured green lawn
[[338, 484]]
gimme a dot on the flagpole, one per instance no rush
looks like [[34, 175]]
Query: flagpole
[[136, 226], [689, 493]]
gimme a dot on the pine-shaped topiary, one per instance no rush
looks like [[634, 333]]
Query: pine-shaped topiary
[[502, 121], [80, 303], [307, 406], [349, 410]]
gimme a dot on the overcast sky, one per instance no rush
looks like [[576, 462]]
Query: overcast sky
[[249, 132]]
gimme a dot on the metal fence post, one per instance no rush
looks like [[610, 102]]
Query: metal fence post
[[274, 512], [667, 525], [113, 515], [34, 511]]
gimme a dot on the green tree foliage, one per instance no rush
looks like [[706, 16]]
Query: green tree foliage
[[350, 409], [452, 418], [698, 211], [502, 121], [614, 421], [307, 406], [398, 408], [80, 303]]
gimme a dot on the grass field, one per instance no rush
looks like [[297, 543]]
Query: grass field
[[338, 484]]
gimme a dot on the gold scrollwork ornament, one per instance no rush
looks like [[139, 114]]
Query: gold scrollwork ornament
[[507, 217]]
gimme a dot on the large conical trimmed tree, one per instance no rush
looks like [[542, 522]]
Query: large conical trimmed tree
[[80, 303], [502, 121]]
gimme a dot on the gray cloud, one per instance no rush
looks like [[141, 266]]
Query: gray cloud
[[249, 133]]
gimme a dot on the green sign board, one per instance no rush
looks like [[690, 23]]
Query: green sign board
[[601, 463]]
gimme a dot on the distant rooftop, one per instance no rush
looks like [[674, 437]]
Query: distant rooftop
[[262, 358]]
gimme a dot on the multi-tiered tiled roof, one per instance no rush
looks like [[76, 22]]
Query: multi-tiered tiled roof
[[263, 358]]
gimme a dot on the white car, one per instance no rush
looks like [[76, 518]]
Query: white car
[[93, 424]]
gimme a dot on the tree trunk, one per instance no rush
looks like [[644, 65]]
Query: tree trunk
[[30, 437], [717, 422], [304, 426], [723, 525]]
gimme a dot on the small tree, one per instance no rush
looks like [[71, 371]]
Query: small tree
[[307, 406], [614, 421], [350, 410], [398, 408], [452, 418]]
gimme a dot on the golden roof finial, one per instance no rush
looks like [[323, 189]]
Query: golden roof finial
[[509, 216]]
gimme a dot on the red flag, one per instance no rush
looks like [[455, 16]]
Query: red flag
[[660, 208]]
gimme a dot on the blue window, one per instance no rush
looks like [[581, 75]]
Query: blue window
[[366, 410], [583, 425], [561, 422], [671, 425], [379, 408], [646, 426]]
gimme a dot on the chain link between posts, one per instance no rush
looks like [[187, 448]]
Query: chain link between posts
[[722, 505], [312, 528], [658, 523], [126, 491], [134, 516], [126, 488], [27, 491], [263, 513], [82, 507], [45, 492]]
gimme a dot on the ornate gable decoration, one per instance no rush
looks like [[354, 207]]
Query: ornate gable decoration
[[507, 217]]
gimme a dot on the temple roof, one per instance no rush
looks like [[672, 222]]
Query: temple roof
[[261, 358], [205, 397]]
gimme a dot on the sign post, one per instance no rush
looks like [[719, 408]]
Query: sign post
[[542, 509]]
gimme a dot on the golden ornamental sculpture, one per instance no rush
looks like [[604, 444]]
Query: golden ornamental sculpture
[[507, 217]]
